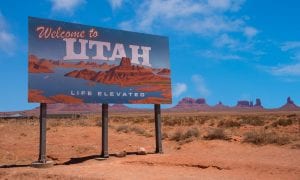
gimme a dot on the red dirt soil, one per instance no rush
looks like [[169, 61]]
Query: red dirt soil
[[195, 160]]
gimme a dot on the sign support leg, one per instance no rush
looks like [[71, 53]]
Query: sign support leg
[[42, 161], [104, 153], [157, 117], [43, 113]]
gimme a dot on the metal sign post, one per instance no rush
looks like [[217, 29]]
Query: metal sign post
[[104, 153], [42, 161], [157, 117], [43, 124]]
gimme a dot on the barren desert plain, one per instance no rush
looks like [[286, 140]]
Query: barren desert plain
[[196, 145]]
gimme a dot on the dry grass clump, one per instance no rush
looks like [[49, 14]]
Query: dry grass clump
[[171, 121], [262, 137], [252, 120], [189, 120], [180, 135], [135, 129], [217, 133], [138, 130], [229, 124], [123, 128], [282, 122]]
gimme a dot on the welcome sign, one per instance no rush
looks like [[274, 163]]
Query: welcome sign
[[74, 63]]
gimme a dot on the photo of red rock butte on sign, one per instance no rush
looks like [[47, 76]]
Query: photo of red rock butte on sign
[[73, 63]]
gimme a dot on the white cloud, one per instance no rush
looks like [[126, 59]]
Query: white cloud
[[219, 56], [290, 45], [213, 19], [200, 17], [66, 5], [285, 70], [115, 3], [126, 25], [7, 39], [226, 40], [250, 32], [225, 5], [179, 88], [201, 88]]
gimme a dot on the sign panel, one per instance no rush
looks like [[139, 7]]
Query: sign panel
[[74, 63]]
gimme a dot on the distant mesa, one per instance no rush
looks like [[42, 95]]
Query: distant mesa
[[258, 103], [290, 105], [249, 104], [244, 103], [192, 104], [188, 103], [60, 108], [200, 101], [119, 107], [221, 106]]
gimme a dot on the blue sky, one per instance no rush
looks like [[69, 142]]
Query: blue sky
[[222, 50]]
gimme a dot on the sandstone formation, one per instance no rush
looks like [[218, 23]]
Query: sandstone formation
[[244, 103], [258, 103], [220, 106], [290, 105], [192, 104]]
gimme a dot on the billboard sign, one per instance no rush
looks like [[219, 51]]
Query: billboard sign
[[74, 63]]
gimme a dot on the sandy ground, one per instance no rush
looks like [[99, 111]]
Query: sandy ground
[[74, 149]]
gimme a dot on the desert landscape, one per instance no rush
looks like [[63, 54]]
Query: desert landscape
[[231, 144]]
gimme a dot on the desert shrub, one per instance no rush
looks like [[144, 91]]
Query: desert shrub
[[216, 133], [191, 121], [192, 132], [123, 128], [23, 134], [282, 122], [291, 115], [263, 137], [229, 123], [212, 123], [138, 130], [202, 121], [135, 129], [252, 120], [169, 121], [180, 135], [177, 135]]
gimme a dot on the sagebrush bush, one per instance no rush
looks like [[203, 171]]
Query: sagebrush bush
[[123, 128], [180, 135], [216, 133], [229, 123], [282, 122], [138, 130], [263, 137], [252, 120]]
